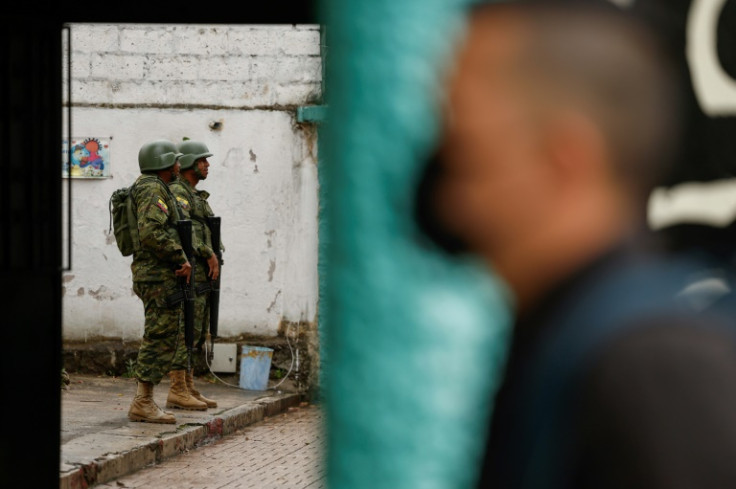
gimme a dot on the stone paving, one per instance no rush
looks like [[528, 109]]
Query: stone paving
[[99, 444], [282, 451]]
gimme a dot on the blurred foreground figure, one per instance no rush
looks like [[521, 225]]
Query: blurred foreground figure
[[560, 120]]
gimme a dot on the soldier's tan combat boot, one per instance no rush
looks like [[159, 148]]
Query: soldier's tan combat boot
[[143, 407], [198, 395], [179, 396]]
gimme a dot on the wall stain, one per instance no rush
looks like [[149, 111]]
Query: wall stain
[[273, 303], [101, 294], [271, 269], [252, 155], [311, 134], [80, 291], [233, 158], [255, 169], [270, 235], [67, 278]]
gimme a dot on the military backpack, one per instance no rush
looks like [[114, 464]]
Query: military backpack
[[123, 221]]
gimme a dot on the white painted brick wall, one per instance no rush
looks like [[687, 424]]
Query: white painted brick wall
[[111, 66], [134, 83], [147, 40], [98, 38], [225, 65]]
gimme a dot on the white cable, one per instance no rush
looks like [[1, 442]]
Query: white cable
[[292, 361], [291, 350]]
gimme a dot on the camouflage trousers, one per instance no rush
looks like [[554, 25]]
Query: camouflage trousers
[[162, 348], [201, 329], [201, 318]]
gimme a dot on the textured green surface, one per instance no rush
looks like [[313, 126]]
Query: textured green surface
[[311, 113], [415, 341]]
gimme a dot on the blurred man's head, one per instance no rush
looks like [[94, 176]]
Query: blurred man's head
[[560, 119]]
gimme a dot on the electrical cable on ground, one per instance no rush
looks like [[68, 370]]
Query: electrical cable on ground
[[286, 334], [275, 387]]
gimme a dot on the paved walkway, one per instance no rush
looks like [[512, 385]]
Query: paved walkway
[[283, 451], [99, 444]]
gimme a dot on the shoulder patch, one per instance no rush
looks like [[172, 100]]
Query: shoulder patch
[[162, 205], [184, 202]]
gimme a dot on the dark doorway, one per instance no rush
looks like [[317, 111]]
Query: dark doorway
[[31, 248]]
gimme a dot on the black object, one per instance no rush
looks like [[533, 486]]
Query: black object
[[184, 228], [214, 223], [430, 227], [597, 373], [707, 147]]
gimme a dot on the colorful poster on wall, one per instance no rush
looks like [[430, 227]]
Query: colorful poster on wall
[[90, 158]]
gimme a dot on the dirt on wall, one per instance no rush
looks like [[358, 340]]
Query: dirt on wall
[[295, 355]]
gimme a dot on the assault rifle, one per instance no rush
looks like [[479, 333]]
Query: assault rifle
[[213, 222], [184, 228]]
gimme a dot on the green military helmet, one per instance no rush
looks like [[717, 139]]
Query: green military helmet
[[192, 150], [157, 155]]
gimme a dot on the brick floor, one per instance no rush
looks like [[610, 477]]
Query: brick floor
[[283, 451]]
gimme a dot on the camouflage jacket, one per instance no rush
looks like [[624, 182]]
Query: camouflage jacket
[[161, 252], [193, 205]]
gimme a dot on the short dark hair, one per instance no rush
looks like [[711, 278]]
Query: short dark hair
[[617, 67]]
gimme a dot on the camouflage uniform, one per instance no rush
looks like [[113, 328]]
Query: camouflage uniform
[[193, 205], [162, 348]]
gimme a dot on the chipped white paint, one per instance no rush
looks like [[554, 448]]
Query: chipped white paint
[[133, 83]]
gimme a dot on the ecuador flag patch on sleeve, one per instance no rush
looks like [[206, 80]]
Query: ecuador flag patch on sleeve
[[162, 205], [183, 202]]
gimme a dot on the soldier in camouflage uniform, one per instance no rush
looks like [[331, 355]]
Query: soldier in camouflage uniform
[[194, 206], [156, 269]]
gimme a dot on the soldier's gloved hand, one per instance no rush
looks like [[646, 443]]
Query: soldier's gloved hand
[[184, 271], [214, 267]]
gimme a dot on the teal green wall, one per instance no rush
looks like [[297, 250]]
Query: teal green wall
[[413, 341]]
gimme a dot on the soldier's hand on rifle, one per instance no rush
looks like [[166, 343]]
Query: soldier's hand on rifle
[[214, 267], [184, 271]]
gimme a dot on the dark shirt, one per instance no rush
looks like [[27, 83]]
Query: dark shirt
[[653, 406]]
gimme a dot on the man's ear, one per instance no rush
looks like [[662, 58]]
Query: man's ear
[[576, 149]]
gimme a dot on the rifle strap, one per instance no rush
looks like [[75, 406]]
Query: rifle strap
[[202, 288], [173, 200], [175, 299]]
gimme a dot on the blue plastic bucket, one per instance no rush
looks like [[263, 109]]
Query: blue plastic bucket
[[255, 365]]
